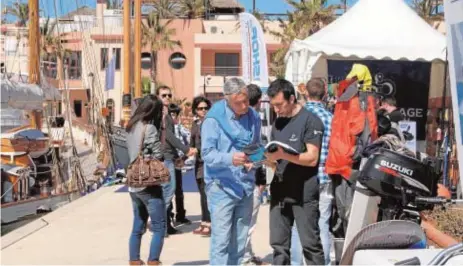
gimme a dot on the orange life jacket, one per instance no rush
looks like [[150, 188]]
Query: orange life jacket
[[351, 130]]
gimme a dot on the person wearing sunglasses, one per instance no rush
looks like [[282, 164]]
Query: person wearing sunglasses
[[169, 148], [200, 107]]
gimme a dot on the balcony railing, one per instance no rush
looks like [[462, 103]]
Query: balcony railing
[[221, 71], [226, 71]]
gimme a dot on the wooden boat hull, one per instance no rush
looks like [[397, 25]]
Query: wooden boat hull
[[24, 139], [14, 211], [35, 148]]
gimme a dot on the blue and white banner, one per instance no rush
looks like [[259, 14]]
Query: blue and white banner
[[454, 19], [255, 65], [253, 51]]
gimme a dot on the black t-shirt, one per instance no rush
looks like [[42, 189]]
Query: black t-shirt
[[395, 116], [290, 181]]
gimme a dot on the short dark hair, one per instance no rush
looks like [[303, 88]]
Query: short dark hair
[[281, 85], [389, 100], [200, 99], [254, 94], [173, 108], [162, 87], [315, 88]]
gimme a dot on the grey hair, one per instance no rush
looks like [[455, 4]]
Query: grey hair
[[233, 86]]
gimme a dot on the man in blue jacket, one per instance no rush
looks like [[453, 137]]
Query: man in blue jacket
[[230, 127]]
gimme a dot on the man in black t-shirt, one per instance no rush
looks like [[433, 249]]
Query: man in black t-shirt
[[294, 188]]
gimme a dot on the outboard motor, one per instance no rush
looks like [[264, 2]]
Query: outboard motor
[[390, 186], [398, 180]]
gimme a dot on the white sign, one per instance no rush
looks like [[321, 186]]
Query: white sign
[[454, 20], [254, 51], [409, 130]]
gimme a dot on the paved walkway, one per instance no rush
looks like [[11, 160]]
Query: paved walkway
[[95, 230]]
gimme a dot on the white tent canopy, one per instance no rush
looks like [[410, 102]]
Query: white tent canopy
[[371, 29]]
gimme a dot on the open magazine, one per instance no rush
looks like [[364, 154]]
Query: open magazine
[[256, 154]]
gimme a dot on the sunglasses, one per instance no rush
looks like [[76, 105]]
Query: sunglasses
[[166, 95], [202, 108]]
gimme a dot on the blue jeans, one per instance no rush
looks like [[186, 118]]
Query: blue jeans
[[168, 189], [230, 219], [147, 203], [296, 247], [325, 203]]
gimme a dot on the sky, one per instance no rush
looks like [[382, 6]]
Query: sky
[[65, 6]]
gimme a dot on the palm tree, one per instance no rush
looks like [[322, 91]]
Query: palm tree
[[114, 4], [428, 10], [192, 8], [307, 18], [165, 9], [158, 36], [311, 16], [51, 44], [48, 37], [20, 11]]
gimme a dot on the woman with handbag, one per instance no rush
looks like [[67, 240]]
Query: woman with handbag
[[200, 107], [145, 174]]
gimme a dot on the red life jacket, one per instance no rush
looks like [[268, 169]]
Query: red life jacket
[[352, 128]]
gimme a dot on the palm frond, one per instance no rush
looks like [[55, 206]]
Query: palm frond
[[20, 11], [192, 8]]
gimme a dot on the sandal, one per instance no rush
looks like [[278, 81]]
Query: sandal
[[206, 231], [199, 230]]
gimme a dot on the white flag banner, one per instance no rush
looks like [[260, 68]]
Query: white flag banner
[[454, 20], [253, 51]]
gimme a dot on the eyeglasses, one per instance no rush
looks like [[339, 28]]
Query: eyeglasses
[[166, 95], [202, 108]]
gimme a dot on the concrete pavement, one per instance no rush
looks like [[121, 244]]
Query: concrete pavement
[[95, 230]]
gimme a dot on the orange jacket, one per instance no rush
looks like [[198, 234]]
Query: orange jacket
[[346, 128]]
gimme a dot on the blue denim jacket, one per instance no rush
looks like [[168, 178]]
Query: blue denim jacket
[[217, 152]]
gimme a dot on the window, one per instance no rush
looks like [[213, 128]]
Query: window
[[110, 106], [49, 64], [227, 64], [78, 108], [145, 60], [177, 60], [74, 62], [103, 58], [117, 54]]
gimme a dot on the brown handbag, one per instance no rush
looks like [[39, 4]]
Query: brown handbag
[[146, 172]]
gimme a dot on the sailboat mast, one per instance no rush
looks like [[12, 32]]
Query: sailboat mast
[[127, 97], [34, 51], [137, 56], [34, 42]]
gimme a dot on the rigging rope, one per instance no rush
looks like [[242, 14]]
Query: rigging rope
[[77, 166], [91, 58]]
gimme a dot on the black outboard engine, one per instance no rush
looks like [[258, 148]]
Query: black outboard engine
[[399, 180]]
